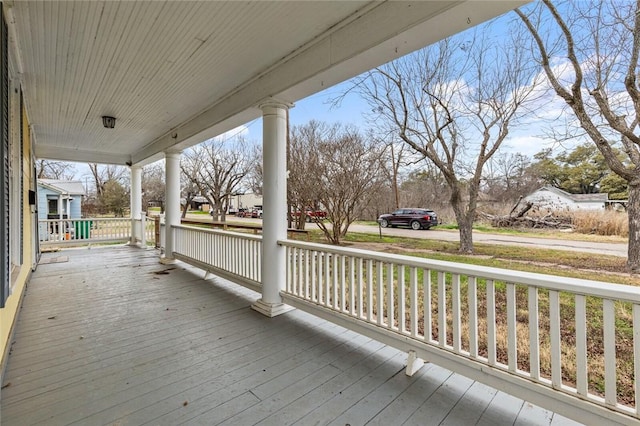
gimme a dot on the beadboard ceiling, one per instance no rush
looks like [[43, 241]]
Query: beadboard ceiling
[[175, 73]]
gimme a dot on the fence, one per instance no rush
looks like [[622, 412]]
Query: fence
[[54, 232]]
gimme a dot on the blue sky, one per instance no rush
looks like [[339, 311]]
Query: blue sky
[[526, 138]]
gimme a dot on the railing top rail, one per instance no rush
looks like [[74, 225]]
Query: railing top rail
[[574, 285], [220, 232], [86, 219]]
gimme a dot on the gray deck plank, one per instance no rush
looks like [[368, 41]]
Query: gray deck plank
[[334, 388], [276, 377], [339, 404], [129, 346], [401, 408], [441, 402], [532, 415], [503, 410], [167, 378], [469, 409], [228, 375]]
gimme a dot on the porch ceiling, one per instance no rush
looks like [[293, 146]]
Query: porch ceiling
[[176, 73]]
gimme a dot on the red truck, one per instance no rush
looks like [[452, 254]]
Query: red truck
[[312, 215]]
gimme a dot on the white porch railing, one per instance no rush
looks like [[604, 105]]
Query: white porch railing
[[526, 334], [232, 255], [91, 230]]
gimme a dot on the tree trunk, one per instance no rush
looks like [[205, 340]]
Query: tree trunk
[[465, 227], [465, 222], [633, 210]]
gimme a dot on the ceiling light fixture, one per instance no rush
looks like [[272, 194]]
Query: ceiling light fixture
[[108, 122]]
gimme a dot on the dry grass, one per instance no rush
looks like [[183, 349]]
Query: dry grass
[[601, 223]]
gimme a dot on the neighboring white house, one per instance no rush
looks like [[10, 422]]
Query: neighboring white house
[[552, 198]]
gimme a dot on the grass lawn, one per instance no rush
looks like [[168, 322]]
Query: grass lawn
[[545, 261]]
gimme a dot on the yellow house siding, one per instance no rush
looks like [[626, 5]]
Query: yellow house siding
[[20, 274]]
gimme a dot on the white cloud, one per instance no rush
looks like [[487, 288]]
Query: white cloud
[[527, 144]]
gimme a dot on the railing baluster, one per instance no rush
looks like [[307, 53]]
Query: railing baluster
[[289, 269], [413, 289], [534, 333], [512, 340], [442, 309], [390, 297], [307, 262], [636, 354], [581, 345], [380, 293], [360, 285], [456, 314], [402, 321], [343, 275], [314, 281], [336, 272], [426, 289], [296, 262], [369, 290], [491, 322], [554, 332], [472, 301], [352, 285], [328, 277], [609, 329], [318, 275]]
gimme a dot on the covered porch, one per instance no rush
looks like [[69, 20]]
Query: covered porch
[[111, 336]]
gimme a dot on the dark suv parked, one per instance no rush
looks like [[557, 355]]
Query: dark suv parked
[[415, 218]]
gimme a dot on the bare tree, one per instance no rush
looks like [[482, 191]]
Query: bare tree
[[454, 104], [153, 185], [510, 176], [103, 173], [589, 53], [305, 166], [59, 170], [334, 167], [218, 169], [396, 152]]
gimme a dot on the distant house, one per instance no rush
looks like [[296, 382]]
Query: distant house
[[551, 198], [59, 199]]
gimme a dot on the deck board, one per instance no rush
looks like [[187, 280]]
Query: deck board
[[114, 337]]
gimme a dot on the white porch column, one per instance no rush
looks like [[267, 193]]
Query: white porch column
[[274, 217], [60, 207], [136, 205], [172, 202]]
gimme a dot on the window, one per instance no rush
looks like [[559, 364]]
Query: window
[[53, 206]]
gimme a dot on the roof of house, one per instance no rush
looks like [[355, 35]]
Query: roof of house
[[576, 198], [72, 187]]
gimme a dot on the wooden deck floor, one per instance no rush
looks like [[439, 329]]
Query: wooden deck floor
[[110, 336]]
